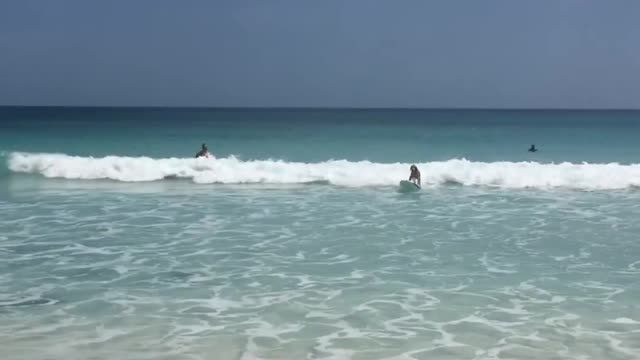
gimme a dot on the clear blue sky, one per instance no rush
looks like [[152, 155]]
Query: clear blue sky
[[349, 53]]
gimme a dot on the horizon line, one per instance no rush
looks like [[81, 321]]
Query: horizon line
[[159, 107]]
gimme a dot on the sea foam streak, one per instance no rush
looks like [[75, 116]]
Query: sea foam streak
[[338, 172]]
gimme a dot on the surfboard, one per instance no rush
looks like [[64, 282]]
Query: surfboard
[[407, 186]]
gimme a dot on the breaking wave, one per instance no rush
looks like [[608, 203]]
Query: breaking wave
[[337, 172]]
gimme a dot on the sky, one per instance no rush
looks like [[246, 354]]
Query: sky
[[329, 53]]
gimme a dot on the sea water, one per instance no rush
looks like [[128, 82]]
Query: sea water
[[293, 241]]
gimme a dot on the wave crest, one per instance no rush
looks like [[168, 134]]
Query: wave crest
[[338, 172]]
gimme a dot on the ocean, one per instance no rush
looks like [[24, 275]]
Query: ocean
[[294, 241]]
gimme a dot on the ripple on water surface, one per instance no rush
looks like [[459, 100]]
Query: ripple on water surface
[[319, 272]]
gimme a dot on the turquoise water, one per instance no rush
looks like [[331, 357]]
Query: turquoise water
[[295, 243]]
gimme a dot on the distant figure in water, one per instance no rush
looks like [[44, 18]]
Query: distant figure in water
[[533, 148], [415, 174], [204, 152]]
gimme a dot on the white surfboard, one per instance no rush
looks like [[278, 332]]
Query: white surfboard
[[407, 186]]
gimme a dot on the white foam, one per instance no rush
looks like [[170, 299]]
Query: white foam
[[338, 172], [625, 321]]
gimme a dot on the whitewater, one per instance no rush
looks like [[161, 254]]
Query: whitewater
[[296, 242], [231, 170]]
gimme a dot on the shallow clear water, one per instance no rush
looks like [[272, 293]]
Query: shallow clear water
[[187, 269]]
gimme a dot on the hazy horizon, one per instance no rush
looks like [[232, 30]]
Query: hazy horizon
[[160, 107]]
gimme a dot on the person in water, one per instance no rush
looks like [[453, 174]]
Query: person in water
[[204, 152], [415, 174], [533, 148]]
